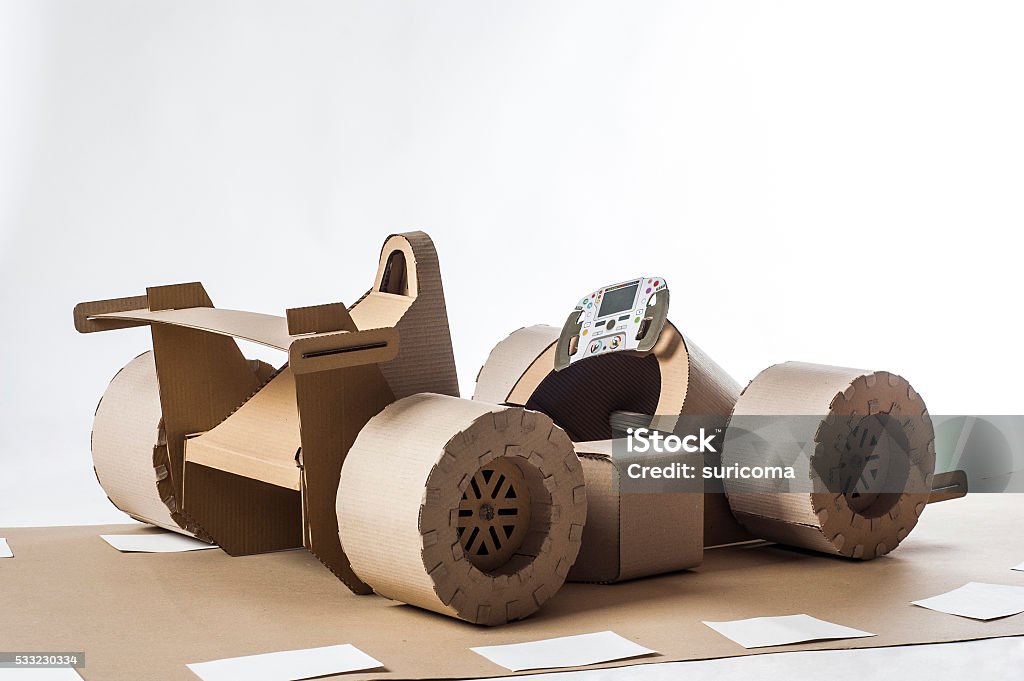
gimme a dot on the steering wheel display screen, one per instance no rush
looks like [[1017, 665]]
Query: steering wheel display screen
[[618, 300], [628, 315]]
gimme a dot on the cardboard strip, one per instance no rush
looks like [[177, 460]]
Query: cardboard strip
[[343, 349], [468, 509], [265, 329], [127, 428], [833, 400], [86, 313]]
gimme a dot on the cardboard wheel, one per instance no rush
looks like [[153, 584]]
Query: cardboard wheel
[[127, 432], [870, 472], [465, 508]]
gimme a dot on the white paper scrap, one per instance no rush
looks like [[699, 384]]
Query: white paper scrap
[[564, 651], [5, 550], [978, 600], [287, 665], [758, 632], [1019, 567], [168, 542]]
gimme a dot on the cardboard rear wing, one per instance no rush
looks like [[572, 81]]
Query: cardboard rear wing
[[239, 469]]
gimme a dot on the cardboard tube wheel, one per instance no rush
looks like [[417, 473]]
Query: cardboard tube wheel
[[832, 406], [468, 509], [127, 428]]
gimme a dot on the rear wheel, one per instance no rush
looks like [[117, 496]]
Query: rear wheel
[[127, 434]]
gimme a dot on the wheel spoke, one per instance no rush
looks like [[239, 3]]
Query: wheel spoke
[[472, 538], [500, 488]]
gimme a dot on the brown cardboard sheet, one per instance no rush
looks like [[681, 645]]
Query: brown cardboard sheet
[[66, 589], [265, 329], [408, 295], [260, 440], [632, 534]]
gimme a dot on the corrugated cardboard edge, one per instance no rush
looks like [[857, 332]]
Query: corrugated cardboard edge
[[401, 487], [822, 520], [510, 359]]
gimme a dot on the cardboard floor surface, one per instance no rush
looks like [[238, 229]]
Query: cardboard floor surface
[[147, 615]]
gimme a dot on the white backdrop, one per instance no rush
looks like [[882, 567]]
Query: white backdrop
[[828, 182]]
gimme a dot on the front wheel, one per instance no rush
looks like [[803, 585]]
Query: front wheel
[[465, 508]]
